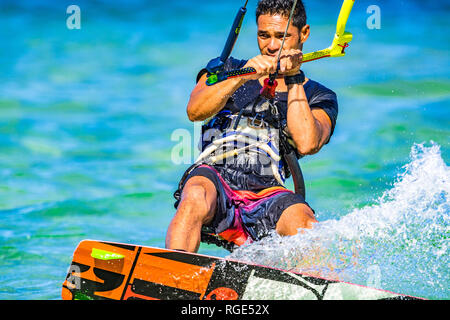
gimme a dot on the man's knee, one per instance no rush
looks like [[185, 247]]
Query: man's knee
[[198, 199], [296, 217]]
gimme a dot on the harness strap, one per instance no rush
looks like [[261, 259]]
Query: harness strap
[[289, 156]]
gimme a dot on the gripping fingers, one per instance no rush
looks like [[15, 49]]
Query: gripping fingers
[[290, 61], [264, 65]]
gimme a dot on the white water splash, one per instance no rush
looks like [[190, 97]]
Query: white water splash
[[400, 243]]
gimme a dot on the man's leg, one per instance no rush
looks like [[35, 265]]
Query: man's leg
[[295, 217], [197, 207]]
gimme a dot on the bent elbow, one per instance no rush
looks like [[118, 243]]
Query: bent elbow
[[309, 149], [192, 114], [192, 117]]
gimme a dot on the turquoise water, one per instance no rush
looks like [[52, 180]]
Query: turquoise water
[[86, 138]]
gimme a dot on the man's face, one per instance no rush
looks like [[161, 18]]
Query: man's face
[[271, 30]]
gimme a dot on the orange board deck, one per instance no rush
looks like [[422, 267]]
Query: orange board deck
[[115, 271]]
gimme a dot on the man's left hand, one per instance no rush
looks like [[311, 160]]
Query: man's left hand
[[290, 62]]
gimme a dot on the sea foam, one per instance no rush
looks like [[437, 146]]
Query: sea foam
[[398, 243]]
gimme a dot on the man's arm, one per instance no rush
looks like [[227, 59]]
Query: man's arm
[[310, 129], [207, 101]]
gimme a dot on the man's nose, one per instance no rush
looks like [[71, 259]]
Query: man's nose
[[274, 45]]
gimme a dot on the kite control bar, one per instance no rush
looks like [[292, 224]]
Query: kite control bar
[[340, 42]]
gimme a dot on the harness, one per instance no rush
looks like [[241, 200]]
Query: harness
[[248, 138], [257, 136], [225, 136]]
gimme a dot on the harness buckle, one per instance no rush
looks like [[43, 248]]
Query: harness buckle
[[257, 123]]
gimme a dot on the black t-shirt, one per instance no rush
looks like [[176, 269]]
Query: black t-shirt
[[318, 97]]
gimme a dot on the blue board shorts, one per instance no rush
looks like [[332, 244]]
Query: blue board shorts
[[241, 216]]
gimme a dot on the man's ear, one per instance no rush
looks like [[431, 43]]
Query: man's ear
[[304, 34]]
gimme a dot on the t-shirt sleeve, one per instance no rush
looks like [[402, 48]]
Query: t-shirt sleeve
[[200, 74], [326, 100]]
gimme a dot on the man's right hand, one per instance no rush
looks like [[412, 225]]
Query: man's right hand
[[206, 101], [263, 64]]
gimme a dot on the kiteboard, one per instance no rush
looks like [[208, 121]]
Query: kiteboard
[[114, 271]]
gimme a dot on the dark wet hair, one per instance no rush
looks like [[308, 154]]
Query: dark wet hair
[[283, 7]]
